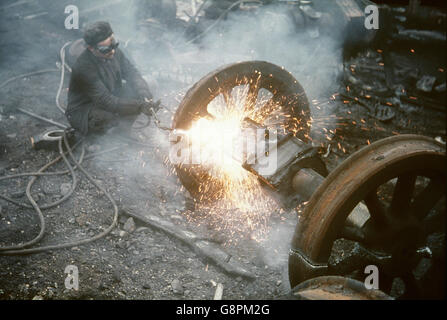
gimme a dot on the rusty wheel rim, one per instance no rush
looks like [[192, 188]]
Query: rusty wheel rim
[[336, 288], [396, 228], [220, 84]]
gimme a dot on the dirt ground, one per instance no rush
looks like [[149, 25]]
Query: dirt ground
[[142, 262]]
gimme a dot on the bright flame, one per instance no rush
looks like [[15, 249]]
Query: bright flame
[[215, 141]]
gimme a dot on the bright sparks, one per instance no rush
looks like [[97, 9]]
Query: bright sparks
[[232, 200]]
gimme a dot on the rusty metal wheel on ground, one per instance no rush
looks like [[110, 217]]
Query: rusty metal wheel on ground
[[402, 181], [335, 288], [266, 89]]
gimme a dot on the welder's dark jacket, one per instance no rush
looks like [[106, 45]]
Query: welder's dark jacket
[[97, 83]]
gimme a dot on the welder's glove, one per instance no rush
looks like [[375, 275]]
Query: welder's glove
[[148, 106]]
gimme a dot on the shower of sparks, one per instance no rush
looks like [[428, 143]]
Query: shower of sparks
[[232, 201]]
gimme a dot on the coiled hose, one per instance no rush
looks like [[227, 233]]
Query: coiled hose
[[22, 249]]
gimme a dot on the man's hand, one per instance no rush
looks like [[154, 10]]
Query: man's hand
[[149, 107]]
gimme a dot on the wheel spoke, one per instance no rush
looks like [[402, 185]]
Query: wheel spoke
[[435, 223], [376, 208], [385, 283], [428, 198], [252, 96], [403, 192], [352, 233], [267, 112], [266, 106], [412, 290], [227, 96]]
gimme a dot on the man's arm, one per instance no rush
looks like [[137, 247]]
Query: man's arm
[[132, 75]]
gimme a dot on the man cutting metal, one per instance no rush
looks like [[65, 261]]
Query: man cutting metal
[[106, 90]]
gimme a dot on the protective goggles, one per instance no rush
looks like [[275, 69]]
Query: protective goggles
[[108, 49]]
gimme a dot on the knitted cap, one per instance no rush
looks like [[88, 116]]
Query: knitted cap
[[97, 32]]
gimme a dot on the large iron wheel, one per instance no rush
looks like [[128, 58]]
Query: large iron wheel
[[258, 79], [335, 288], [402, 181]]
